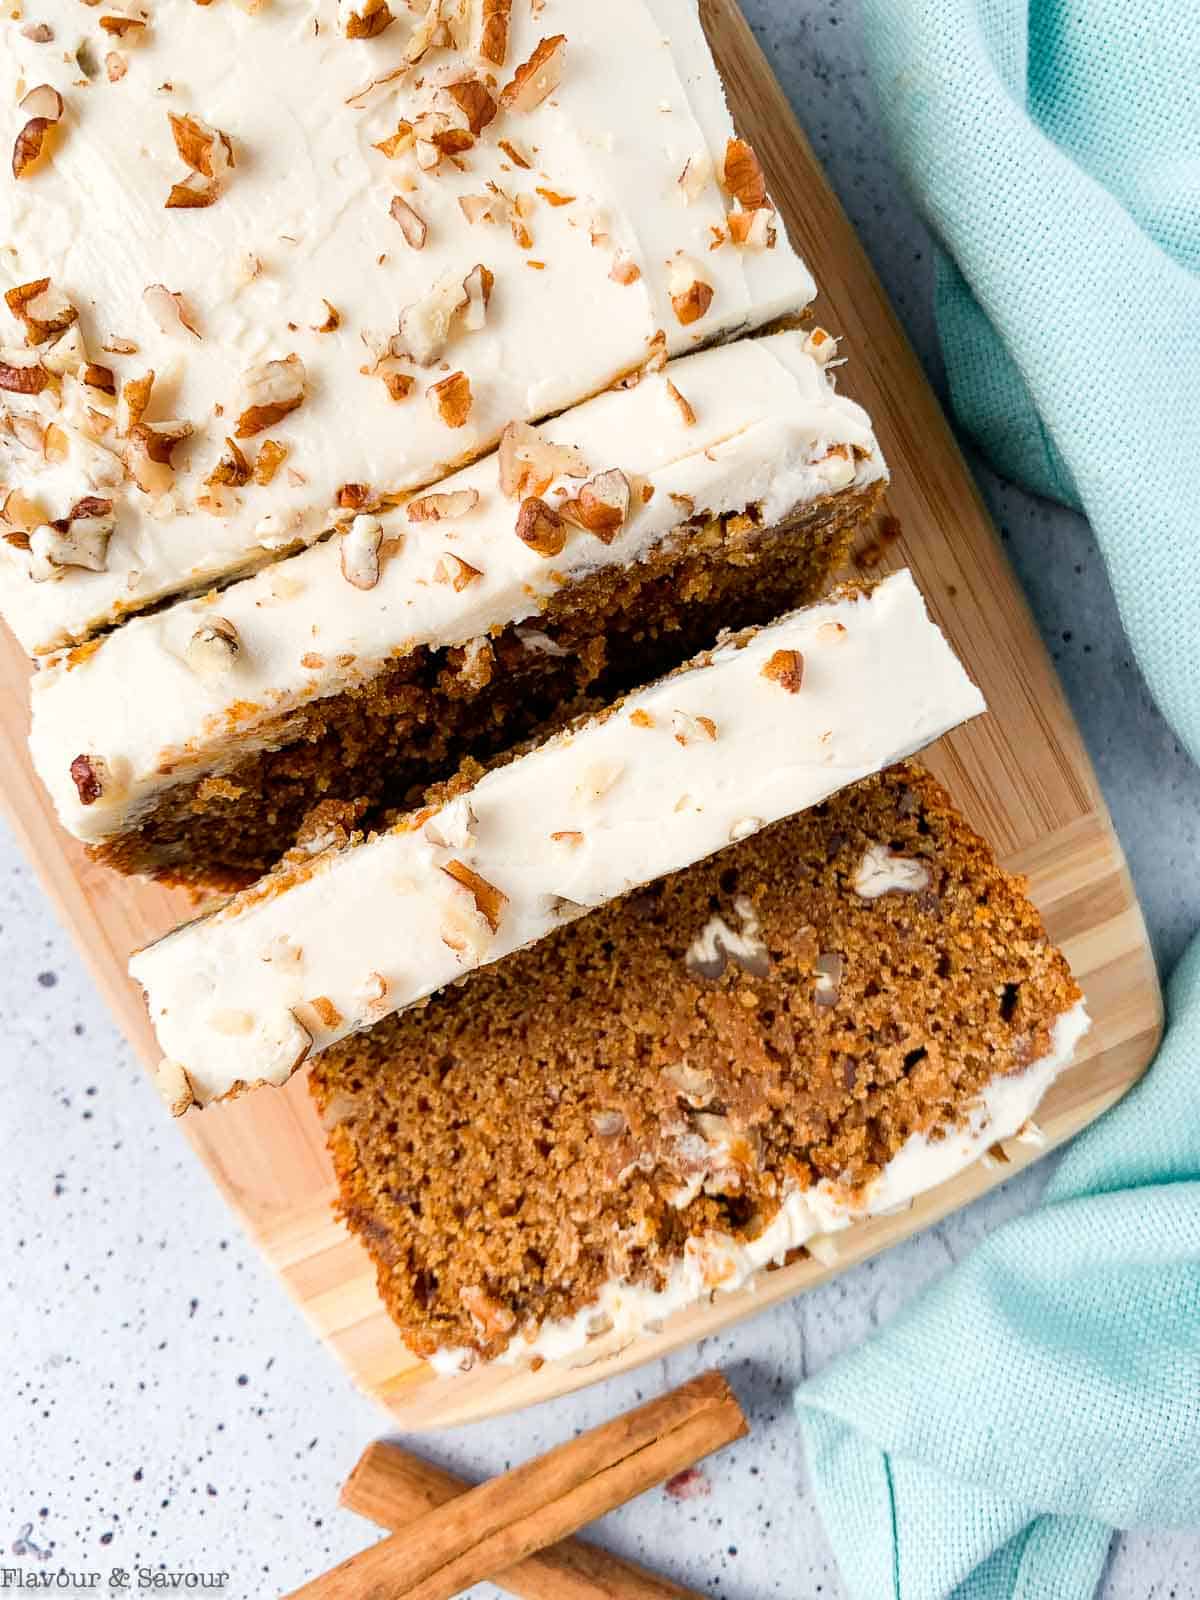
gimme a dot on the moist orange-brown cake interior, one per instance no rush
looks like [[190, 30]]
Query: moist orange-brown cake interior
[[652, 1073]]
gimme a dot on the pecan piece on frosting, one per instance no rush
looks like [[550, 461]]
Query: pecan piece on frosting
[[272, 390], [493, 31], [743, 176], [359, 554], [412, 224], [214, 647], [536, 78], [443, 507], [455, 571], [489, 901], [364, 19], [451, 399], [232, 470], [21, 376], [691, 295], [786, 668], [205, 150], [80, 539], [602, 506], [540, 527], [30, 146], [42, 309]]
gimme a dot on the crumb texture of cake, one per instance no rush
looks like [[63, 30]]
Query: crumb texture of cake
[[678, 1090], [772, 721], [260, 256], [358, 669]]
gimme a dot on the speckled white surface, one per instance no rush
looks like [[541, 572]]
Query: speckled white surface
[[160, 1399]]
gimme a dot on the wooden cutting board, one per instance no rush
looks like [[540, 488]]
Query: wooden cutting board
[[1020, 775]]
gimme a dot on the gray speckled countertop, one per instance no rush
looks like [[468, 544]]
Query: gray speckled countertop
[[162, 1403]]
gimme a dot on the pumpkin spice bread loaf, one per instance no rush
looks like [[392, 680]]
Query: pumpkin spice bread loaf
[[675, 1092]]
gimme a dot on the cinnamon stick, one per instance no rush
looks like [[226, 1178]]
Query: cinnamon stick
[[492, 1527], [394, 1488]]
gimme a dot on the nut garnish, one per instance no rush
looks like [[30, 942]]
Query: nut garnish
[[148, 453], [232, 470], [87, 774], [80, 539], [753, 230], [443, 507], [489, 901], [396, 143], [602, 506], [540, 527], [474, 100], [529, 463], [880, 872], [571, 837], [30, 145], [359, 555], [624, 269], [477, 285], [690, 294], [169, 310], [451, 399], [493, 31], [272, 390], [742, 175], [45, 312], [214, 648], [689, 729], [641, 719], [205, 150], [271, 456], [538, 77], [427, 324], [455, 571], [365, 20], [684, 405], [135, 397], [123, 27], [786, 668], [412, 225], [21, 373], [209, 154], [192, 193], [116, 66]]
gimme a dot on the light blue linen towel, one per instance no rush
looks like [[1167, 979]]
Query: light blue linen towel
[[987, 1443]]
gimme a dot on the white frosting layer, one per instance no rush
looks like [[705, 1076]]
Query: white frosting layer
[[766, 418], [718, 1263], [310, 200], [684, 766]]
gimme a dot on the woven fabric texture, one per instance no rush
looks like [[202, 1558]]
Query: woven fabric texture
[[987, 1443]]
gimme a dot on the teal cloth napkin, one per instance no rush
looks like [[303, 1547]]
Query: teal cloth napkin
[[987, 1443]]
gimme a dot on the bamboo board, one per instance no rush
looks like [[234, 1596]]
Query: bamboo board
[[1020, 775]]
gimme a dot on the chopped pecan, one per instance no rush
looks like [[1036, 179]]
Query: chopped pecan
[[743, 177], [273, 390], [786, 668], [536, 78], [451, 399], [489, 901], [540, 527]]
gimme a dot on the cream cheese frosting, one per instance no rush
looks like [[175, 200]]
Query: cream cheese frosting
[[771, 722], [714, 1264], [308, 229], [761, 428]]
